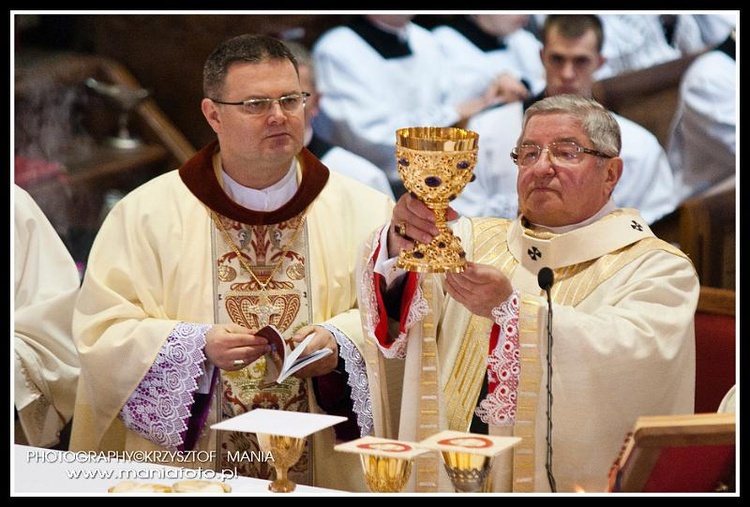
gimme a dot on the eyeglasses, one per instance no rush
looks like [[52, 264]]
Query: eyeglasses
[[566, 154], [289, 103]]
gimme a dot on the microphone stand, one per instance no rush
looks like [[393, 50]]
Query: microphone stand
[[545, 279]]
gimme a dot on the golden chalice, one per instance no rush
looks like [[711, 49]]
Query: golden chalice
[[436, 164], [286, 451], [386, 463], [468, 457], [469, 473], [384, 474]]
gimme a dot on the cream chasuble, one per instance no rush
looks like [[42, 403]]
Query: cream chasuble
[[624, 303], [162, 271]]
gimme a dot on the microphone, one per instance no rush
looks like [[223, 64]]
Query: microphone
[[546, 278]]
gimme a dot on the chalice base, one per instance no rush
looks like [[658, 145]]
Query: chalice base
[[444, 254], [282, 486], [285, 451], [385, 474], [469, 473]]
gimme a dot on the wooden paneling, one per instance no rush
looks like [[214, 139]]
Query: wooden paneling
[[166, 53]]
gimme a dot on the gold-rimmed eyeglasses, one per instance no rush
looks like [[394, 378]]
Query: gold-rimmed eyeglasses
[[566, 153], [289, 103]]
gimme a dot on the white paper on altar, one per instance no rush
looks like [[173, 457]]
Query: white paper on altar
[[457, 441], [279, 422], [382, 447]]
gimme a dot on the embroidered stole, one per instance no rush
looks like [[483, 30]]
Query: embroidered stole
[[284, 302]]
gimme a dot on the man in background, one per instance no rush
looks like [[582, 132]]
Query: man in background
[[571, 54], [334, 157]]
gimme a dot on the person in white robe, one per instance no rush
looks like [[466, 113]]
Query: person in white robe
[[333, 157], [635, 41], [46, 366], [379, 73], [480, 48], [252, 230], [571, 55], [702, 143], [621, 338]]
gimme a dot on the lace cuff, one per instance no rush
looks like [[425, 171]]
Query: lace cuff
[[506, 310], [503, 367], [357, 380], [159, 408]]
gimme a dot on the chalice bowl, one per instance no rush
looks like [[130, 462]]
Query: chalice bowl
[[384, 474], [386, 464], [285, 451], [125, 99], [436, 164]]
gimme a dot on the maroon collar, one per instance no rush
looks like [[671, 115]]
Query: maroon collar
[[198, 175]]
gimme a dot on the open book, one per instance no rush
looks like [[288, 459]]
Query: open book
[[282, 361]]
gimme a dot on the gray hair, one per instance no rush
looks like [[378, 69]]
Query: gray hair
[[598, 123], [249, 48]]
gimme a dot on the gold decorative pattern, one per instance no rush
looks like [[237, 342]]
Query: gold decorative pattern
[[261, 291], [429, 409], [435, 165]]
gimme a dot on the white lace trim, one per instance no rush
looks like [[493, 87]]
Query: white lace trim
[[159, 408], [357, 380], [368, 299], [503, 367]]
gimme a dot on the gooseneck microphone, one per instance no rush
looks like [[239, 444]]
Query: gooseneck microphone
[[546, 278]]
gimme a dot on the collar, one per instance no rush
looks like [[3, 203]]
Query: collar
[[537, 248], [466, 26], [202, 178], [266, 199], [608, 208], [387, 41]]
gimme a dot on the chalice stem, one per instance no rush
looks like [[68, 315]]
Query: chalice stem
[[440, 220]]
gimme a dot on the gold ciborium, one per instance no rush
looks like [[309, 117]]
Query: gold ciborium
[[436, 164], [285, 451], [386, 464]]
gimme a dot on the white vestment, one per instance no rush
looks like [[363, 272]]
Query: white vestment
[[366, 96], [474, 69], [349, 163], [623, 304], [46, 362], [702, 144]]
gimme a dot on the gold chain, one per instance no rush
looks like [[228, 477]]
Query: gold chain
[[241, 260]]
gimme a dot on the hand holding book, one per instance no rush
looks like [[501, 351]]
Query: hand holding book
[[283, 361]]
